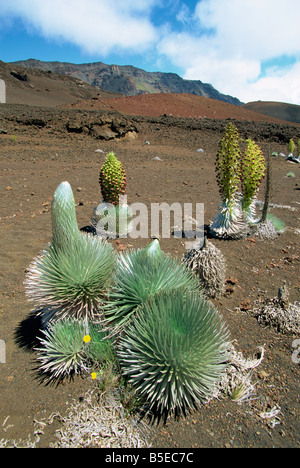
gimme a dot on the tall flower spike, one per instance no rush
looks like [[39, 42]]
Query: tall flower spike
[[228, 164], [291, 146], [112, 179], [230, 222], [63, 215], [253, 170]]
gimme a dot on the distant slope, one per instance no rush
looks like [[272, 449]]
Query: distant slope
[[279, 110], [129, 80], [176, 105], [43, 88]]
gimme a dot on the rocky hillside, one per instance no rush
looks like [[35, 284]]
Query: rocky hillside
[[129, 80], [36, 87]]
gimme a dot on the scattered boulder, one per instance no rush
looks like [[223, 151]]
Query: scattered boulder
[[20, 75], [103, 128], [103, 132]]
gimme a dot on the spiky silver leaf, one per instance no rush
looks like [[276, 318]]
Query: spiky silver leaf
[[140, 274], [62, 349], [73, 280], [175, 351], [230, 222]]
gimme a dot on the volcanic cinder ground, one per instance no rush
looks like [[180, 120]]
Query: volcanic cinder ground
[[43, 146]]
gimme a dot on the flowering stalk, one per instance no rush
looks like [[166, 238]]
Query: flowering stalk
[[253, 169], [291, 146], [229, 223], [112, 217], [228, 165]]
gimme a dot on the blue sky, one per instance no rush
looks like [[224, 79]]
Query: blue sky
[[249, 49]]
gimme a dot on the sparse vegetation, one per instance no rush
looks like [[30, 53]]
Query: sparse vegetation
[[25, 217]]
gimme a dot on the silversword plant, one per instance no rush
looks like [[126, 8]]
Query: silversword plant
[[71, 275], [112, 217], [235, 172], [229, 223], [141, 274], [66, 348], [174, 351]]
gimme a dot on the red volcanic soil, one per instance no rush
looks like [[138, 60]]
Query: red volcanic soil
[[177, 105]]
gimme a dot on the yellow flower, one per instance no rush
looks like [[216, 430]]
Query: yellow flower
[[86, 338], [94, 375]]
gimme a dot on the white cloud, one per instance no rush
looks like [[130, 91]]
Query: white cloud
[[183, 15], [283, 84], [96, 26], [256, 29], [202, 61], [234, 38]]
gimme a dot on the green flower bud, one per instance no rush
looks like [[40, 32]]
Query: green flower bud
[[112, 179]]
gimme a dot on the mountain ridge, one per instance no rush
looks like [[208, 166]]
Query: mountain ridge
[[129, 80], [39, 86]]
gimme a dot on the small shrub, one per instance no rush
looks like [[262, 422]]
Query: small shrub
[[209, 266], [65, 350]]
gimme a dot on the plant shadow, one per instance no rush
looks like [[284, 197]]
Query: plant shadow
[[28, 332]]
